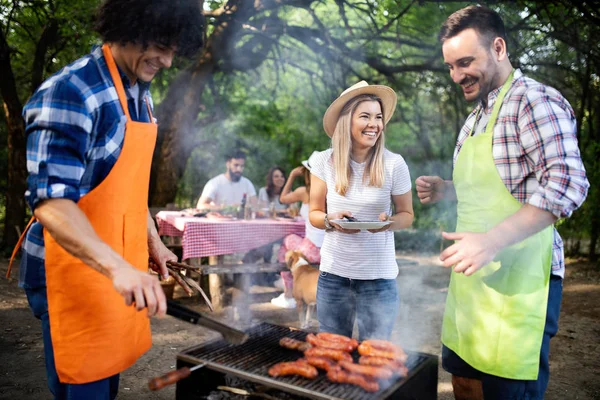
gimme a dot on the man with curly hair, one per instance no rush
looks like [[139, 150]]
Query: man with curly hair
[[90, 138]]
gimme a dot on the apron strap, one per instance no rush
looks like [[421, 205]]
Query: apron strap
[[18, 247], [149, 110], [114, 73], [489, 128]]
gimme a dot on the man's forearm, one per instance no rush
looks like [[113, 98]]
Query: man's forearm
[[72, 230], [519, 226], [152, 232]]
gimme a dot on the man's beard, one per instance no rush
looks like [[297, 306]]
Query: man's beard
[[235, 176]]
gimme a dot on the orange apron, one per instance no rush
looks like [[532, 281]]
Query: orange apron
[[94, 334]]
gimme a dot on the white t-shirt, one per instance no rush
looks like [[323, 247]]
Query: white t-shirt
[[224, 192], [363, 255], [263, 197]]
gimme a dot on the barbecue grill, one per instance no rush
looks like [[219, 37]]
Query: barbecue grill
[[250, 361]]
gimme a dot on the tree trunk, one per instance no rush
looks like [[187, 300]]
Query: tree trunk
[[176, 133], [17, 171], [179, 110]]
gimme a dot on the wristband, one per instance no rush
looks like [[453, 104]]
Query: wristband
[[328, 226]]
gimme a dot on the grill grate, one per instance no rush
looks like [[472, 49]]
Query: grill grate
[[252, 360]]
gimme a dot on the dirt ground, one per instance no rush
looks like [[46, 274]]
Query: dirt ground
[[575, 352]]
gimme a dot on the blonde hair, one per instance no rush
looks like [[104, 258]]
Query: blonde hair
[[342, 148]]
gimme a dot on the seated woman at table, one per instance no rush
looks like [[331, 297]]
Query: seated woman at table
[[270, 193], [266, 196], [310, 245], [358, 177]]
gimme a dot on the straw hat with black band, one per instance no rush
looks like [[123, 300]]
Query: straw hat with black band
[[385, 93]]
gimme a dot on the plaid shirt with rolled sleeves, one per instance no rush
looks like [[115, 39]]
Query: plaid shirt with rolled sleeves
[[75, 129], [535, 151]]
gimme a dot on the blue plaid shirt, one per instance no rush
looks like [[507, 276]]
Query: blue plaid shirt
[[75, 129]]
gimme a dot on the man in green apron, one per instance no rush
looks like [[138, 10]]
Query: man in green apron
[[517, 169]]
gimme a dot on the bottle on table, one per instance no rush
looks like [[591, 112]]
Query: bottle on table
[[242, 208]]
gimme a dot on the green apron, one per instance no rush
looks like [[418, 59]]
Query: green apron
[[494, 319]]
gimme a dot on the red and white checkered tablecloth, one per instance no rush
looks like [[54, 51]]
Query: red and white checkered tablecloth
[[204, 237]]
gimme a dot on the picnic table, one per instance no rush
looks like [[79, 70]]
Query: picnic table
[[216, 237]]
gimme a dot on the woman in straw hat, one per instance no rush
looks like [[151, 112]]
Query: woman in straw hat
[[358, 177], [310, 245]]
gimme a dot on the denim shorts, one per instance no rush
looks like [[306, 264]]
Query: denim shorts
[[104, 389], [496, 388], [372, 303]]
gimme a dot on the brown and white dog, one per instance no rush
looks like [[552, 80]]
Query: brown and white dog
[[305, 285]]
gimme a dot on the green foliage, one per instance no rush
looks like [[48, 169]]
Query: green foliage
[[274, 112]]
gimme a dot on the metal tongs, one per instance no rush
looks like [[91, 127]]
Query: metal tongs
[[231, 335], [178, 311]]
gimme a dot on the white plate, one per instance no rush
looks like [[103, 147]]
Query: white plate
[[361, 225]]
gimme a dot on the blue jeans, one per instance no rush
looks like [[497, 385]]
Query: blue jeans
[[498, 388], [103, 389], [373, 303]]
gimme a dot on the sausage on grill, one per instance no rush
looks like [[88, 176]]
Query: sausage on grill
[[333, 337], [294, 344], [369, 371], [315, 341], [338, 375], [395, 366], [323, 363], [381, 348], [300, 367], [329, 353]]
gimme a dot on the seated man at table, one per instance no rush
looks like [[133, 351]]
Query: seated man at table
[[229, 188]]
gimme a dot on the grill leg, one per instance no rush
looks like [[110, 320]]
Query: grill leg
[[199, 384]]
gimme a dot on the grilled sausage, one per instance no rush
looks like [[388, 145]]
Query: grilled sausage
[[369, 371], [382, 348], [338, 375], [333, 337], [294, 344], [323, 363], [312, 339], [301, 368], [395, 366], [329, 353]]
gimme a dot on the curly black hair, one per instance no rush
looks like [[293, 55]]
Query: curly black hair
[[178, 23]]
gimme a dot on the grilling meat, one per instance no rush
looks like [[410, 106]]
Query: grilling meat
[[333, 337], [294, 344], [329, 353], [394, 365], [323, 363], [369, 371], [338, 375], [382, 348], [315, 341], [300, 367]]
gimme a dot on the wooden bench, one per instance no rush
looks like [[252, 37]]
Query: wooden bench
[[241, 268], [216, 268]]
